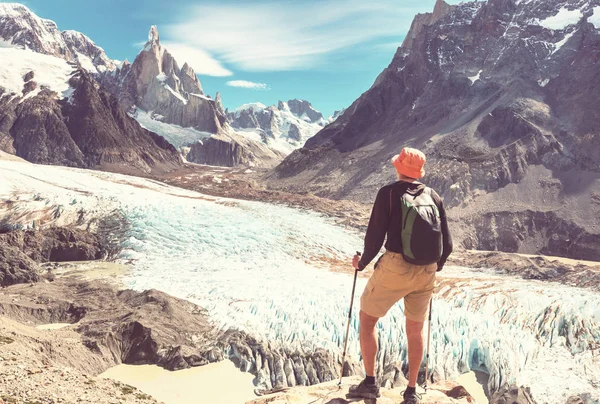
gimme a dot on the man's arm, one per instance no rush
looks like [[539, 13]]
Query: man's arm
[[447, 238], [378, 227]]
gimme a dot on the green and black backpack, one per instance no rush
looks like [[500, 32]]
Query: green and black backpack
[[421, 227]]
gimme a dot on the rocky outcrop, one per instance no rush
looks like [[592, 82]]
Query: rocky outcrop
[[232, 150], [498, 98], [16, 267], [284, 127], [22, 251], [54, 366], [512, 395], [442, 393], [155, 82], [577, 273], [89, 129], [56, 244], [154, 328]]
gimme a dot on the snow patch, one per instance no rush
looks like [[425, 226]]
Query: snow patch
[[594, 19], [563, 19], [51, 72], [560, 44], [7, 43], [256, 106], [86, 63], [255, 134], [204, 97], [543, 83], [476, 77], [162, 77], [174, 134], [175, 93]]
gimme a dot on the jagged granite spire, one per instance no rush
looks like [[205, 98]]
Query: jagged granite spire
[[153, 35], [155, 82]]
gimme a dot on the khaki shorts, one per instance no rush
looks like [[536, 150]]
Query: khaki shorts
[[395, 279]]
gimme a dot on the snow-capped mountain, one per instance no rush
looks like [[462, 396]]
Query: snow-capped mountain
[[165, 98], [52, 109], [38, 58], [284, 127], [502, 97], [21, 28]]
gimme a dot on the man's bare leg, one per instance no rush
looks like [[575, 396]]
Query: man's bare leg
[[368, 342], [414, 334]]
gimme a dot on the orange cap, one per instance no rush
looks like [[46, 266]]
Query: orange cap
[[410, 162]]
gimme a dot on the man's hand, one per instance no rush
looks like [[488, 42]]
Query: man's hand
[[355, 261]]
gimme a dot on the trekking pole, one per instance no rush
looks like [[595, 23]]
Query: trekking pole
[[348, 326], [428, 347]]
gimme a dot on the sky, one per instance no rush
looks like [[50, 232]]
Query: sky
[[327, 52]]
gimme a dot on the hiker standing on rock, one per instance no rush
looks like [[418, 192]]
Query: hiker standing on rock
[[418, 244]]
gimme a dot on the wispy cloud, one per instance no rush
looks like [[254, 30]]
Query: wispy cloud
[[201, 61], [269, 36], [248, 84]]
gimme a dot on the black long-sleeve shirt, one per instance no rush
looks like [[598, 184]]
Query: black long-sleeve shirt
[[386, 219]]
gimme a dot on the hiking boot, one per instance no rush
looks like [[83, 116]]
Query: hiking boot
[[363, 390], [412, 398]]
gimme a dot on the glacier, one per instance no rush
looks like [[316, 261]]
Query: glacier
[[267, 270]]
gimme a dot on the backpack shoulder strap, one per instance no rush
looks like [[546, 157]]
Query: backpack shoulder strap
[[404, 188]]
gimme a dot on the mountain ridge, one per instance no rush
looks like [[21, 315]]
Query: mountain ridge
[[501, 104], [284, 127]]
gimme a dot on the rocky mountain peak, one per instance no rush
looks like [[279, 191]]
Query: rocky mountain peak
[[440, 9], [153, 36], [301, 108], [21, 28], [497, 94], [189, 80], [89, 55], [284, 127], [155, 82], [219, 103]]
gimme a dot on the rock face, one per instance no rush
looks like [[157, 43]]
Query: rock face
[[512, 395], [20, 27], [229, 149], [284, 127], [499, 96], [22, 251], [155, 82], [16, 267]]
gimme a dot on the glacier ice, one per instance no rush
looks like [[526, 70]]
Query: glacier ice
[[265, 270]]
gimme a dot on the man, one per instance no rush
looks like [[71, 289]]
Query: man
[[395, 277]]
